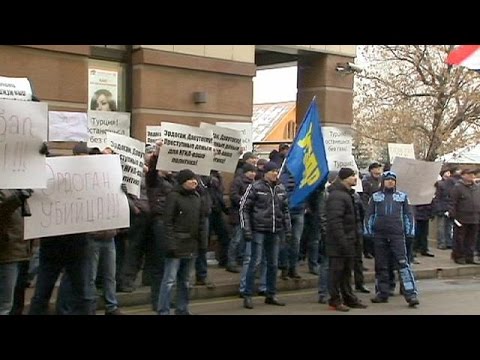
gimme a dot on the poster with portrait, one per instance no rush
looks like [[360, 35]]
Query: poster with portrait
[[102, 90]]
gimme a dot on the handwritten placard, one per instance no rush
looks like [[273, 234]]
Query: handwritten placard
[[99, 122], [83, 195], [23, 128], [67, 126]]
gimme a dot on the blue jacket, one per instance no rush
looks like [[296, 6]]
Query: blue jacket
[[389, 213]]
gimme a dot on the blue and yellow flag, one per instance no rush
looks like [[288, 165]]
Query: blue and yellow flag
[[306, 160]]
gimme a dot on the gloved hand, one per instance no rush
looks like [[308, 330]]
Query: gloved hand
[[288, 237], [43, 149], [24, 194], [248, 236], [124, 188]]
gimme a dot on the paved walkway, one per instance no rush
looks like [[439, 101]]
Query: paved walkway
[[227, 283]]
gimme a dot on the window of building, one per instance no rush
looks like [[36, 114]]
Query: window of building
[[290, 130]]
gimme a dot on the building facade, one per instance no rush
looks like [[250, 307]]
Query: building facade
[[185, 84]]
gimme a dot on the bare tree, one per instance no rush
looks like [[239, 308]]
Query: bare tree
[[408, 94]]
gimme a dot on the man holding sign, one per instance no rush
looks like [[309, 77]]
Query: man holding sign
[[13, 248]]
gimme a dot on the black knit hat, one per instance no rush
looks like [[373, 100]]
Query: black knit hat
[[271, 165], [185, 175], [248, 167], [345, 173]]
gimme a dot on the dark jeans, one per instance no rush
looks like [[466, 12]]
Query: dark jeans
[[139, 235], [201, 269], [156, 249], [421, 236], [20, 287], [62, 252], [218, 226]]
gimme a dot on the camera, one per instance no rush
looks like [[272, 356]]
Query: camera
[[348, 68]]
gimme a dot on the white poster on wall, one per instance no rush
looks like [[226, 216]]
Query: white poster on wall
[[227, 145], [83, 195], [67, 126], [245, 128], [153, 133], [99, 122], [338, 146], [23, 129], [102, 90], [132, 154], [15, 88], [186, 147]]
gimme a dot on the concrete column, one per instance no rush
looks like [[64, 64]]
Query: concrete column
[[334, 91]]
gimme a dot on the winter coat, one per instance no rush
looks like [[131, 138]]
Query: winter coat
[[465, 203], [342, 222], [289, 182], [423, 212], [264, 208], [389, 213], [13, 247], [370, 185], [441, 201], [237, 190], [158, 187], [184, 227]]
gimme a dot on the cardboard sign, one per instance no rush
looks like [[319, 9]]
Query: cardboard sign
[[417, 178]]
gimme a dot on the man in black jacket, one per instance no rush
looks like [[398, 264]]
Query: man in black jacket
[[263, 215], [342, 240], [185, 235]]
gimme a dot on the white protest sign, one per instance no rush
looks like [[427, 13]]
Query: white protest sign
[[186, 147], [15, 88], [400, 150], [245, 128], [153, 134], [83, 195], [132, 155], [417, 178], [338, 147], [227, 145], [23, 129], [67, 126], [99, 122]]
